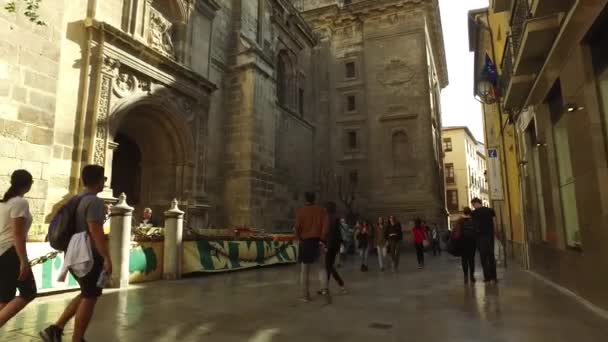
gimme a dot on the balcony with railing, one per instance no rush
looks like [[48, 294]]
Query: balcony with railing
[[526, 50], [540, 8], [501, 5]]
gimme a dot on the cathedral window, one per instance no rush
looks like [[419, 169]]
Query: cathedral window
[[284, 80], [351, 103], [350, 70], [301, 101], [353, 140]]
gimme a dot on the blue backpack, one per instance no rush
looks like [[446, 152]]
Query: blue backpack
[[63, 225]]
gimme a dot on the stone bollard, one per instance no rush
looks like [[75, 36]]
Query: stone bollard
[[173, 248], [120, 242]]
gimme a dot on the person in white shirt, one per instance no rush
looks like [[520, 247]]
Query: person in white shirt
[[15, 271], [147, 220]]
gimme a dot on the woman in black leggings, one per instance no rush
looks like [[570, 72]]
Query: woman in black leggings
[[467, 237], [333, 240], [15, 271]]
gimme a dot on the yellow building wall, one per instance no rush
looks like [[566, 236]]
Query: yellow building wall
[[501, 135], [457, 157]]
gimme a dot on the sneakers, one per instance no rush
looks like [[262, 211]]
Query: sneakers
[[52, 333]]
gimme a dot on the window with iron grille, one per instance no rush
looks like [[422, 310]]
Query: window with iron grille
[[452, 199], [447, 144], [450, 178]]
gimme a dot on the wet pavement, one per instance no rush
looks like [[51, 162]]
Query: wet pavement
[[262, 306]]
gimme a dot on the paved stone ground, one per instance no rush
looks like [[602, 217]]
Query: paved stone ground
[[261, 306]]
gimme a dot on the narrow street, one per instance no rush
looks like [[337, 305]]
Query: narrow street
[[262, 306]]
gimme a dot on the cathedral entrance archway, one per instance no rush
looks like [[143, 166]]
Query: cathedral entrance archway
[[152, 160]]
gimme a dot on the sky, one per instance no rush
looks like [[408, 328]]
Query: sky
[[458, 106]]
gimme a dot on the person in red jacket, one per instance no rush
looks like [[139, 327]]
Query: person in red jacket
[[419, 235]]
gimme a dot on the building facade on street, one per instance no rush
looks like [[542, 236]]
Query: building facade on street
[[383, 66], [551, 97], [233, 107], [465, 169]]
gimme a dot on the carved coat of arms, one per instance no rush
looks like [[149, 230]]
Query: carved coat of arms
[[395, 76]]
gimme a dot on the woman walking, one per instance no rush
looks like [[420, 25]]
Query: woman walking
[[15, 271], [333, 241], [394, 235], [364, 237], [465, 236], [420, 236], [381, 244]]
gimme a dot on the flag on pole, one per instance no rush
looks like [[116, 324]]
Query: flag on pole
[[490, 74]]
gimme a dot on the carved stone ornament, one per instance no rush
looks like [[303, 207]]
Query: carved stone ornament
[[110, 65], [99, 156], [394, 77], [125, 84], [160, 34], [128, 82]]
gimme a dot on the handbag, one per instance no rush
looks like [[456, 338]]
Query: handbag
[[425, 243], [453, 247]]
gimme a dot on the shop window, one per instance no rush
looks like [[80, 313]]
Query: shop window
[[567, 182], [599, 43]]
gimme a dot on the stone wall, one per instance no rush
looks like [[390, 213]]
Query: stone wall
[[396, 161], [29, 69], [268, 160]]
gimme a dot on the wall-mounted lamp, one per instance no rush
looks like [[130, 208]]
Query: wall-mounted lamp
[[573, 107], [485, 92]]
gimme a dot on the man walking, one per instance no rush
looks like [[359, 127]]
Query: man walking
[[311, 226], [90, 216], [483, 218]]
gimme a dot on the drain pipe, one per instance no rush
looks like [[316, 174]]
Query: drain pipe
[[86, 83]]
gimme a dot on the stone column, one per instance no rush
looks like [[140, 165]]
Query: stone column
[[173, 248], [120, 242]]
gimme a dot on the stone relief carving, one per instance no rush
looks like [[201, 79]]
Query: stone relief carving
[[395, 75], [160, 34], [127, 83], [99, 154], [104, 104], [110, 65], [124, 84]]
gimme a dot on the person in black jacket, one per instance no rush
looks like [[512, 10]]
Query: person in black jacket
[[394, 235], [333, 241]]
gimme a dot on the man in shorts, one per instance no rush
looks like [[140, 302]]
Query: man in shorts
[[90, 216], [311, 225]]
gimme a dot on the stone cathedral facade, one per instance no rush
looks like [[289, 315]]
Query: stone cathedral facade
[[235, 107]]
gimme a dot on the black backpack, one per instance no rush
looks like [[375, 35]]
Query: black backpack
[[63, 225]]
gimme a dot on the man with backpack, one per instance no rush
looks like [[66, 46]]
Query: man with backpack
[[88, 216]]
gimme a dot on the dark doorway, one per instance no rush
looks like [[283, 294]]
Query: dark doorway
[[126, 169]]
